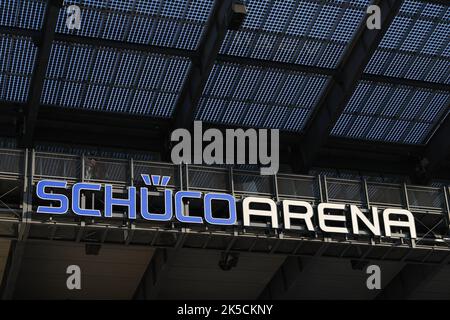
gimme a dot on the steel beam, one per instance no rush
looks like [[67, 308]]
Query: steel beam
[[123, 45], [343, 83], [368, 156], [406, 82], [268, 64], [99, 129], [129, 132], [284, 280], [17, 248], [20, 32], [439, 2], [436, 153], [156, 274], [220, 58], [150, 283], [88, 127], [409, 279], [37, 81], [203, 62], [271, 64], [99, 42], [13, 268]]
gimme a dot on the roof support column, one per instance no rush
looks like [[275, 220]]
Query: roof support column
[[17, 248], [226, 14], [435, 154], [343, 83], [409, 279], [284, 279], [37, 81]]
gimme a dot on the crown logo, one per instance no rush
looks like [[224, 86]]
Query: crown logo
[[155, 180]]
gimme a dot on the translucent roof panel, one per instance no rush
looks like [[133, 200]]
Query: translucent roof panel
[[18, 56], [170, 23], [417, 44], [308, 32], [260, 98], [83, 76], [27, 14], [392, 113]]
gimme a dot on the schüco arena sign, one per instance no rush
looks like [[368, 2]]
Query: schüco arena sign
[[330, 217]]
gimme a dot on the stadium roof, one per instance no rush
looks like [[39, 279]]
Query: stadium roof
[[308, 67]]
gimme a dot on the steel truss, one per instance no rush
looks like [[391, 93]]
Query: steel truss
[[45, 43], [38, 123]]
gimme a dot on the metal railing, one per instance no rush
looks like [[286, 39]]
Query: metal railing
[[430, 205], [239, 182]]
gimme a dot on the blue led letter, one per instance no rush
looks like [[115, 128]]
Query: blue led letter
[[231, 205], [130, 203], [76, 193], [62, 199], [179, 210], [167, 216]]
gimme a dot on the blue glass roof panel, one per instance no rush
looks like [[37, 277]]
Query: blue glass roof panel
[[416, 45], [83, 76], [260, 98], [15, 88], [434, 10], [310, 32], [16, 67], [392, 113], [27, 14], [303, 32], [175, 23]]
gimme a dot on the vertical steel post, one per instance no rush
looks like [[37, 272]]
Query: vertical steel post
[[83, 167], [405, 194], [446, 191], [180, 174], [275, 186], [131, 168], [83, 196], [325, 185], [25, 195], [366, 193], [186, 170], [319, 180], [27, 205], [31, 184], [230, 179]]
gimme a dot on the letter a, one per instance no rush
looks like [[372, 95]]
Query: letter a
[[74, 280], [374, 281], [374, 18], [73, 20]]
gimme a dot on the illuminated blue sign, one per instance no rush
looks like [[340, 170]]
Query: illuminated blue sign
[[287, 214], [63, 202]]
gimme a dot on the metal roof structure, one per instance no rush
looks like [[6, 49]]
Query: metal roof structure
[[358, 110], [138, 68]]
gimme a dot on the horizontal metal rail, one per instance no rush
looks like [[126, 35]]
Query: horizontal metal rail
[[118, 172], [430, 206]]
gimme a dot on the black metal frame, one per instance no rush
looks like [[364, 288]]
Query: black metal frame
[[202, 63], [144, 133], [33, 122], [436, 153], [37, 83], [343, 83], [112, 130]]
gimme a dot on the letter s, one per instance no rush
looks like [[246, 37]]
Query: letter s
[[43, 195]]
